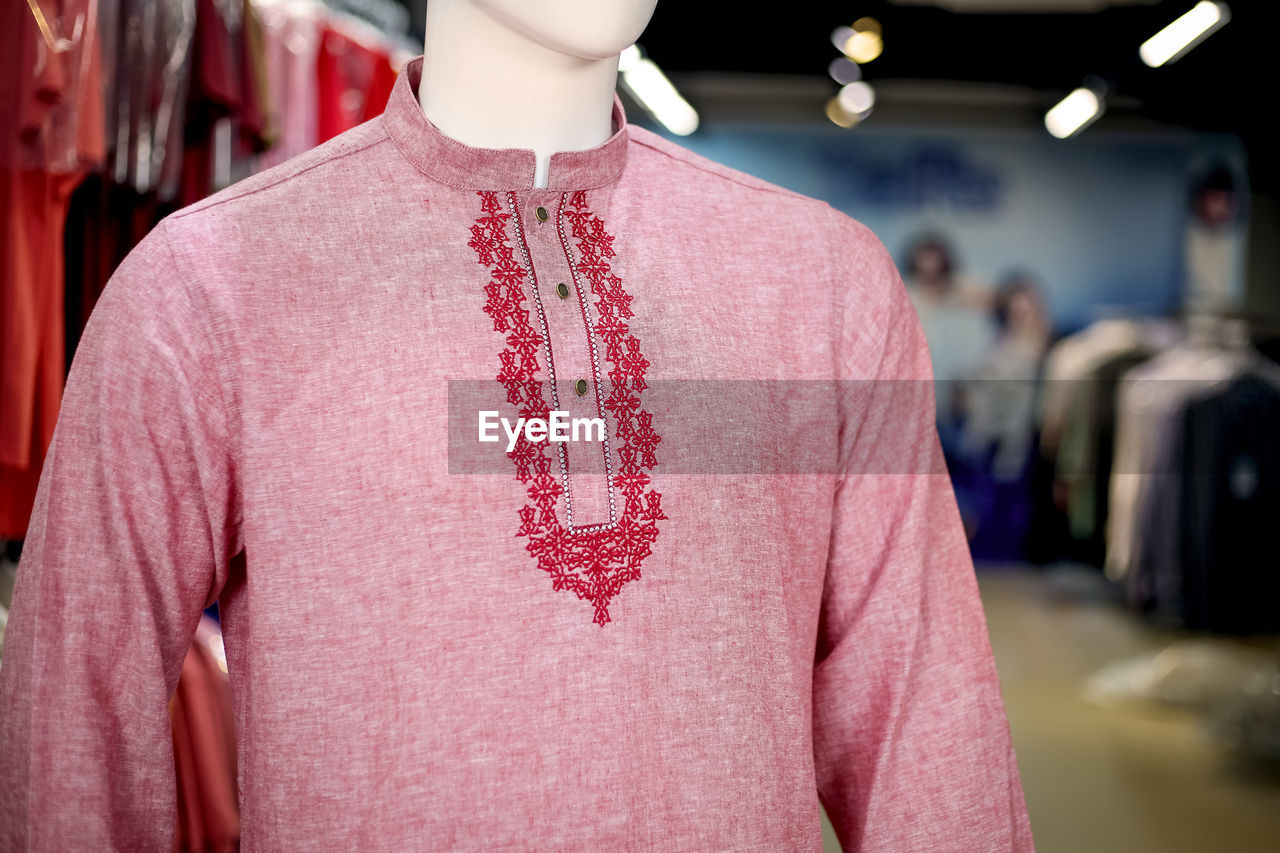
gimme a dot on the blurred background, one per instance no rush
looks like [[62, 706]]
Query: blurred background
[[1081, 196]]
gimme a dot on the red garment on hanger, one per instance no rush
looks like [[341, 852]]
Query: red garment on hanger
[[53, 83], [354, 78], [204, 748]]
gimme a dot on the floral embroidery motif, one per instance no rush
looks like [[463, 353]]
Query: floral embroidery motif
[[593, 562]]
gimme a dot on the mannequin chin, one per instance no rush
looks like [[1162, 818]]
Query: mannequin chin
[[587, 29]]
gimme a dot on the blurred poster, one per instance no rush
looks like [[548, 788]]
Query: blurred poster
[[1101, 220]]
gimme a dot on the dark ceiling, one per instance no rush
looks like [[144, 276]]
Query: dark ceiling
[[1225, 84]]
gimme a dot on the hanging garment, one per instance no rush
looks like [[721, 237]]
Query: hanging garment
[[204, 748], [1068, 496], [354, 78], [291, 41], [147, 48], [1230, 500], [433, 642], [1145, 397], [1087, 450], [147, 92], [216, 91], [105, 221], [1201, 558], [255, 130], [50, 80]]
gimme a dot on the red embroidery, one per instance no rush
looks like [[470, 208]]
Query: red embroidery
[[593, 562]]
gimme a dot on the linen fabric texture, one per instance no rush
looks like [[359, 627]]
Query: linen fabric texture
[[257, 415]]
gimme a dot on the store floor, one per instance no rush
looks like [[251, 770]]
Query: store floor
[[1100, 779]]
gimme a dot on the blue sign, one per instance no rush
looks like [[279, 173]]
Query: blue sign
[[1099, 220]]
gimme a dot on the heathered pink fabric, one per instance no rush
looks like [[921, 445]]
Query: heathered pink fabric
[[267, 373]]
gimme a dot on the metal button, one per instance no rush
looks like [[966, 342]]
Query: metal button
[[541, 213], [581, 387], [562, 290]]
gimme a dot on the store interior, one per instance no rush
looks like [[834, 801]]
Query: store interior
[[1082, 200]]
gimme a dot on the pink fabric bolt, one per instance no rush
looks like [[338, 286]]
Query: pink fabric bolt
[[258, 414]]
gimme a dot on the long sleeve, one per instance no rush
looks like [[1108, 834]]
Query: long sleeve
[[134, 522], [912, 745]]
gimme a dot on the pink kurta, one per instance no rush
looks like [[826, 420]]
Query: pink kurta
[[424, 657]]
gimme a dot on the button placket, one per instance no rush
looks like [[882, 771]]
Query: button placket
[[585, 312], [572, 364]]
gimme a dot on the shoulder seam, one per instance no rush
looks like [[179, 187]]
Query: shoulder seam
[[776, 190], [197, 208]]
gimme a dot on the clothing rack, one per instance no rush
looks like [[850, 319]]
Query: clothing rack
[[1165, 460], [143, 108]]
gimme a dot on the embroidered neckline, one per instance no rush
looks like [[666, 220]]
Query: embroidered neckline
[[593, 562]]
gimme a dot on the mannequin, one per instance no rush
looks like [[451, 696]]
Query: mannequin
[[512, 74]]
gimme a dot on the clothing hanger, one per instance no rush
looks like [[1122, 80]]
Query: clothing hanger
[[1226, 333], [51, 31]]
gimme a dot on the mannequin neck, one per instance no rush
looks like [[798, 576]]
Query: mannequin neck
[[489, 86]]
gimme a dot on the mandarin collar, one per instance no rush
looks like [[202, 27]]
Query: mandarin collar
[[449, 161]]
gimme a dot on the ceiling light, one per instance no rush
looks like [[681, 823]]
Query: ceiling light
[[645, 82], [844, 70], [868, 25], [1186, 32], [1073, 113], [837, 114], [840, 35], [857, 98], [863, 47]]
